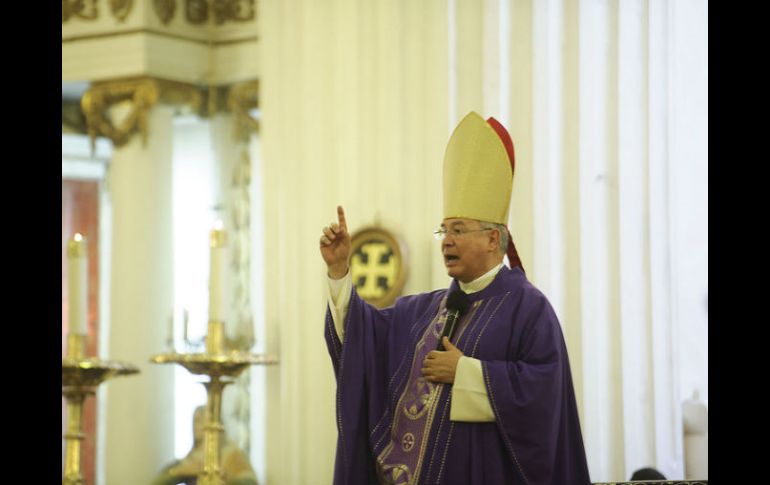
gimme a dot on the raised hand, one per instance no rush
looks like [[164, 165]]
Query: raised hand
[[335, 246]]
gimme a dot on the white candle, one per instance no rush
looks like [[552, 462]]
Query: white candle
[[216, 275], [77, 256]]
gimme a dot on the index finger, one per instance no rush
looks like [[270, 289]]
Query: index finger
[[341, 218]]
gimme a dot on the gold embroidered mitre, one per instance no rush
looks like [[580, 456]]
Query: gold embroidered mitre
[[478, 174]]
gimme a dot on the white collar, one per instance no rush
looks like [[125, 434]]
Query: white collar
[[481, 282]]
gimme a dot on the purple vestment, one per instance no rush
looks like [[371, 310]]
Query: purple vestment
[[394, 425]]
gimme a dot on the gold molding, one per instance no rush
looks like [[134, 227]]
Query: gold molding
[[142, 94], [241, 98], [164, 9], [82, 9], [105, 35], [121, 8]]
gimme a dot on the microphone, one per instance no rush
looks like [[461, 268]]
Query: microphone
[[456, 304]]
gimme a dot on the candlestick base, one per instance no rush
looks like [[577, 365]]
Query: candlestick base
[[221, 367]]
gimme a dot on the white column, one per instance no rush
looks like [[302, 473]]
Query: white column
[[139, 418], [571, 318], [638, 424], [546, 271], [468, 70], [688, 178], [521, 86], [668, 420], [602, 426]]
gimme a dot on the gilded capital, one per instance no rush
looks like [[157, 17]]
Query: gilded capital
[[140, 95]]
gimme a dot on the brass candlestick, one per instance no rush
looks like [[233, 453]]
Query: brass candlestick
[[222, 366], [80, 377]]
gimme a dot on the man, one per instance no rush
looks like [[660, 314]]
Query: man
[[497, 406]]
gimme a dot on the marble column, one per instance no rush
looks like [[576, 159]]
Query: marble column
[[139, 417]]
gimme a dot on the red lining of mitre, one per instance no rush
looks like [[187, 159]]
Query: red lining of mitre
[[513, 254], [506, 139]]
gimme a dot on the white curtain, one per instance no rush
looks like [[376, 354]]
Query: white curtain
[[606, 104], [620, 174], [354, 112]]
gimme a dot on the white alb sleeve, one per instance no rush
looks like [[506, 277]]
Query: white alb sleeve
[[338, 298], [470, 401]]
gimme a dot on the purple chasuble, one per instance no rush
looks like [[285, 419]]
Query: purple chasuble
[[394, 426]]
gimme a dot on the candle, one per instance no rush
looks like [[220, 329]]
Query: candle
[[77, 256], [216, 275]]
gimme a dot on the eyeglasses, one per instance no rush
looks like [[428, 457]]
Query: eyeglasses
[[455, 232]]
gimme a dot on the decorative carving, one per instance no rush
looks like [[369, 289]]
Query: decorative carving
[[164, 9], [83, 9], [241, 99], [240, 213], [180, 94], [121, 8], [239, 415], [141, 94], [197, 11], [233, 10]]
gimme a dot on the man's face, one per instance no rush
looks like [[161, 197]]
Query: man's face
[[467, 248]]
